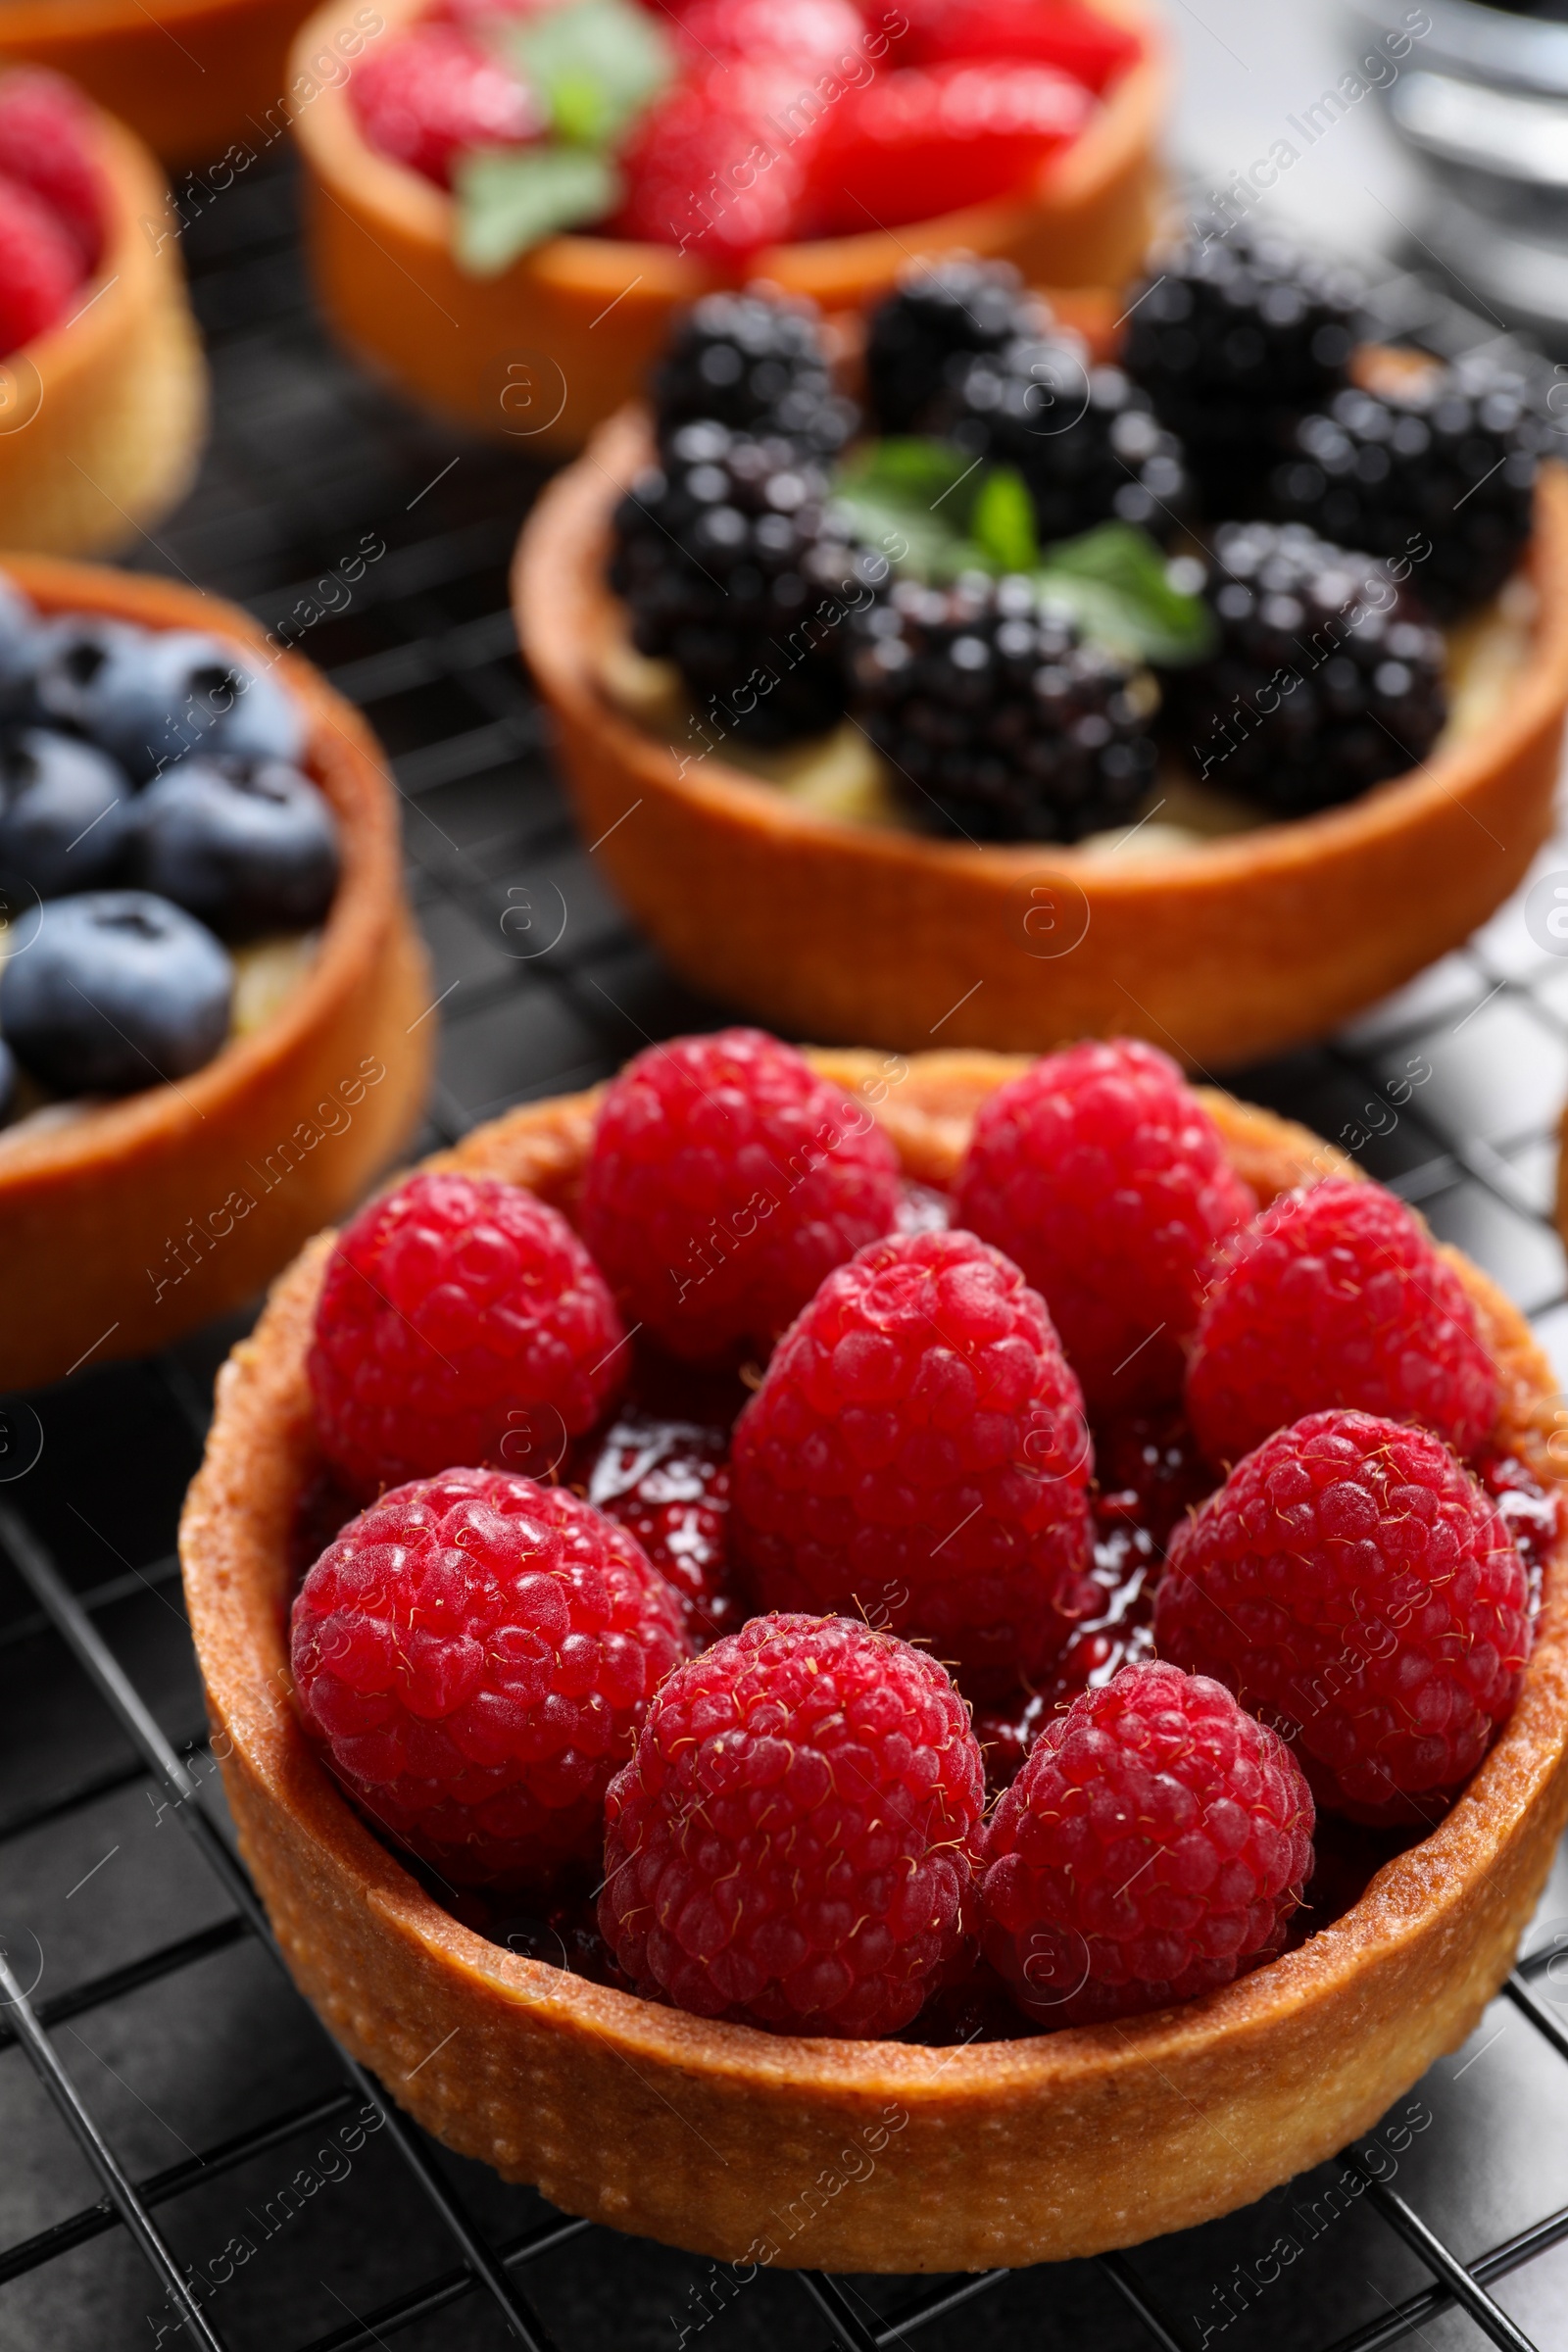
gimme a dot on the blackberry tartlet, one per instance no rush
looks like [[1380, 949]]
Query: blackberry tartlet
[[999, 722], [1436, 470], [1234, 333], [1326, 679]]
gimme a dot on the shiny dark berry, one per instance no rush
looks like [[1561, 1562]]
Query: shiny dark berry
[[1235, 332], [999, 721], [116, 991], [20, 627], [1440, 475], [62, 805], [249, 846], [1327, 678], [1085, 438], [736, 568], [757, 363], [941, 314]]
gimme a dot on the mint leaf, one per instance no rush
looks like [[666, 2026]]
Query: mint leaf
[[1002, 521], [909, 496], [514, 197], [595, 66], [1116, 584]]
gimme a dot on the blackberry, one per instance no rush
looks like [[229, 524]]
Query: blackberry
[[1327, 678], [941, 314], [755, 362], [1233, 335], [999, 720], [736, 568], [1439, 471], [1084, 438]]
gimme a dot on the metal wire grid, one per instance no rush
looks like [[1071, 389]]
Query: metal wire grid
[[1451, 1094]]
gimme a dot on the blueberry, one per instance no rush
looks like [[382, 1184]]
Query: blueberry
[[264, 724], [150, 697], [118, 991], [8, 1081], [248, 844], [61, 813]]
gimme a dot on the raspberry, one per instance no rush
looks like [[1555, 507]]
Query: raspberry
[[1351, 1579], [436, 92], [917, 1453], [461, 1320], [725, 1180], [476, 1654], [1077, 40], [790, 1845], [809, 32], [668, 1483], [1336, 1294], [927, 140], [1153, 1847], [40, 268], [708, 168], [1102, 1177], [47, 135]]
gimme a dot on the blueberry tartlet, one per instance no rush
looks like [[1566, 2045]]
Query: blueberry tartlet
[[749, 1598], [1214, 684], [207, 970]]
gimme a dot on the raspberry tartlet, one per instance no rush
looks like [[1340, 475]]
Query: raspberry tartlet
[[992, 707], [551, 343], [796, 1865], [132, 1210], [104, 388]]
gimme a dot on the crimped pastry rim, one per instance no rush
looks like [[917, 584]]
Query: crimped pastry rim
[[223, 1554]]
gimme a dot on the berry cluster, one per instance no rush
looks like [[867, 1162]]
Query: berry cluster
[[724, 1677], [153, 815]]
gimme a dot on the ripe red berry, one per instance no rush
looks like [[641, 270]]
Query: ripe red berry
[[718, 165], [47, 138], [725, 1180], [1101, 1175], [917, 1453], [930, 139], [429, 95], [667, 1482], [1354, 1584], [476, 1654], [1077, 40], [1335, 1295], [40, 268], [790, 1845], [1153, 1847], [461, 1320], [809, 32]]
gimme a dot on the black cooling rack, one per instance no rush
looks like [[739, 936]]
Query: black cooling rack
[[184, 2157]]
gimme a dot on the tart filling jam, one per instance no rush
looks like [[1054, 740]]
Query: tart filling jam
[[165, 862], [1250, 571], [870, 1610]]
